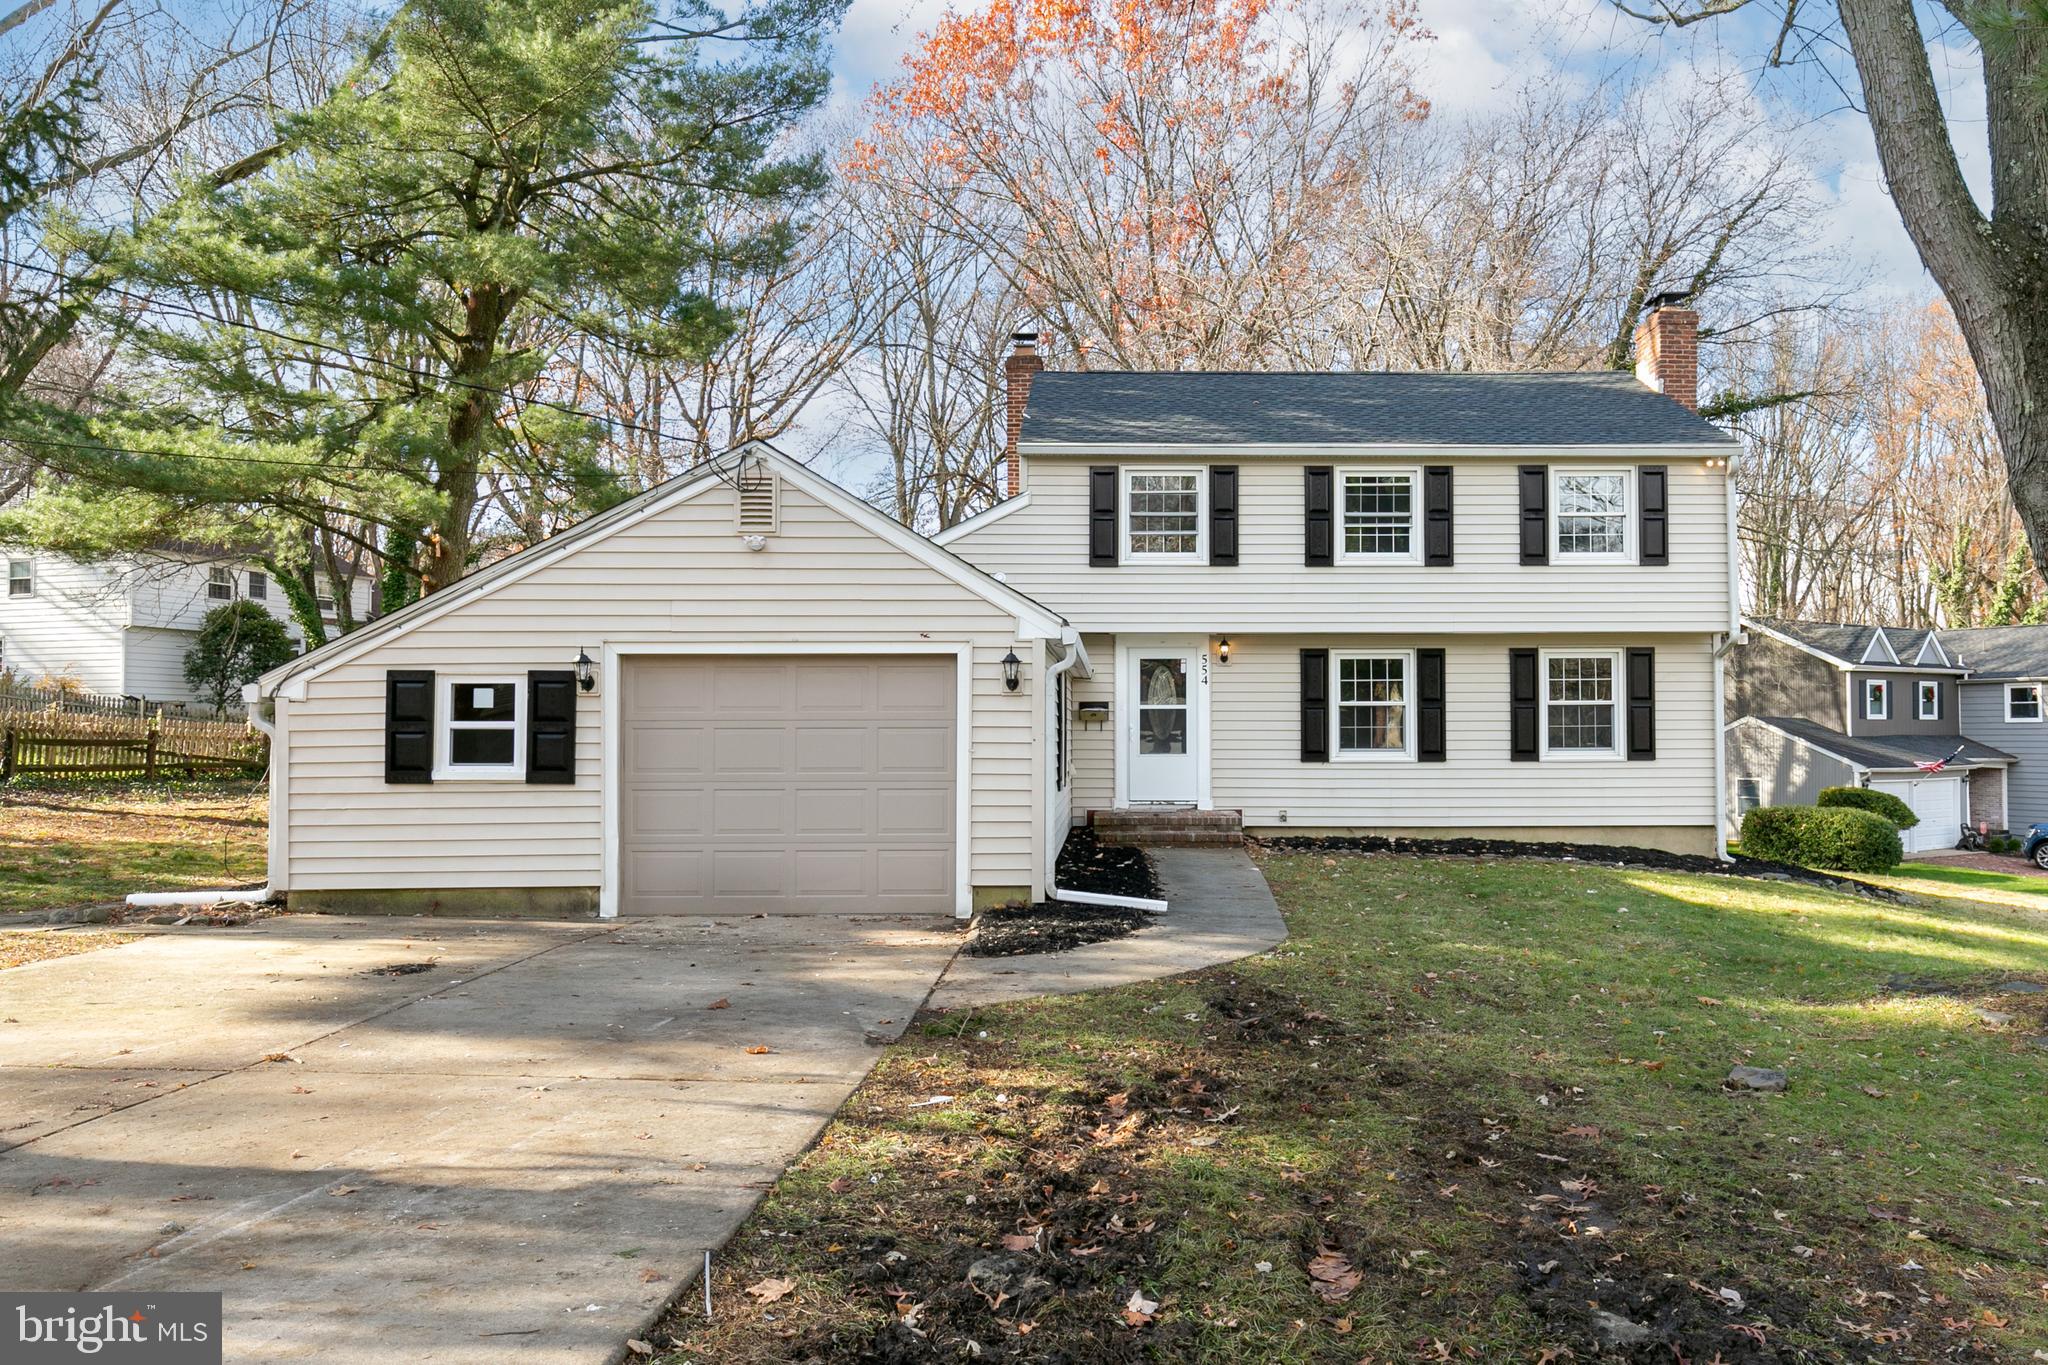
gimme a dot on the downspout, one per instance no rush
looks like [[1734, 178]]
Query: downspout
[[1052, 692], [1722, 644]]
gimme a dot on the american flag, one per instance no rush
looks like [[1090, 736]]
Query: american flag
[[1936, 765]]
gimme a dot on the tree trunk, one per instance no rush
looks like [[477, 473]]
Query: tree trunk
[[1994, 272]]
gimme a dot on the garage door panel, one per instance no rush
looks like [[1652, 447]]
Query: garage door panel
[[1938, 803], [788, 784]]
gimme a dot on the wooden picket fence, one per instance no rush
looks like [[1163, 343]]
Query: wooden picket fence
[[44, 745]]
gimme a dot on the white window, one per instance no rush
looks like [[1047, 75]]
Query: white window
[[1877, 698], [259, 586], [1379, 510], [481, 721], [21, 578], [2023, 701], [1927, 699], [1163, 514], [1590, 513], [220, 584], [1581, 712], [325, 602], [1749, 793], [1371, 716]]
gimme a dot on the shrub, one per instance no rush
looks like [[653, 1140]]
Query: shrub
[[237, 643], [1876, 802], [2000, 843], [1838, 838]]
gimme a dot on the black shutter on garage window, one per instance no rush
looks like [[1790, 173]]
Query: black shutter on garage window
[[1319, 542], [1102, 515], [1535, 486], [1223, 514], [551, 725], [1436, 515], [409, 725], [1642, 703], [1524, 737], [1429, 705], [1315, 706], [1653, 537]]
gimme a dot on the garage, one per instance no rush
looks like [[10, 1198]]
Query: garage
[[819, 784], [1937, 800]]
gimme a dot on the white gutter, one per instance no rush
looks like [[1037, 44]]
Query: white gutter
[[195, 900], [1074, 655], [1100, 898]]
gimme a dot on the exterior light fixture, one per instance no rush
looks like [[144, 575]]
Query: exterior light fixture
[[586, 671], [1223, 650], [1011, 666]]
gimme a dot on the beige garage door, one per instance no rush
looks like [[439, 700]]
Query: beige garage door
[[786, 784]]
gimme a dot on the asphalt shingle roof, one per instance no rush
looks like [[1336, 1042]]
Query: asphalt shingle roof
[[1125, 407], [2001, 651], [1847, 642], [1888, 751]]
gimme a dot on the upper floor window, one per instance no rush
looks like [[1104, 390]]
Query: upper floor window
[[1927, 699], [1580, 707], [220, 584], [1379, 514], [1877, 698], [1163, 514], [1372, 706], [1592, 516], [21, 578], [2023, 701], [259, 586]]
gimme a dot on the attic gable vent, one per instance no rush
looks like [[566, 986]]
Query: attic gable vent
[[759, 503]]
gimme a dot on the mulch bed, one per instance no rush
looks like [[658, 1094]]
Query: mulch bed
[[1601, 854], [1086, 864]]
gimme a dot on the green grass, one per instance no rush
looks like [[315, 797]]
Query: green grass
[[1409, 1081], [63, 846], [1967, 884]]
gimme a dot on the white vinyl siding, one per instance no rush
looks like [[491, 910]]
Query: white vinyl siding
[[70, 627], [681, 576], [1254, 718], [1042, 549]]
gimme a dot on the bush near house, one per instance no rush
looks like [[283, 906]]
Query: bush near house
[[1876, 802], [1839, 838]]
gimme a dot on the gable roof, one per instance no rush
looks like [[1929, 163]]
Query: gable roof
[[642, 505], [1095, 408], [2000, 651], [1885, 753], [1852, 646]]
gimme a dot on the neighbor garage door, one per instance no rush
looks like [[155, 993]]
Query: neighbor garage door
[[787, 784], [1938, 801]]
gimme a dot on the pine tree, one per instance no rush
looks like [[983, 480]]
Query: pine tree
[[496, 182]]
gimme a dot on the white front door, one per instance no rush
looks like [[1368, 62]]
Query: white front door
[[1163, 687]]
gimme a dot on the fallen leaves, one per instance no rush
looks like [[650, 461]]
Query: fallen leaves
[[759, 1050], [1332, 1275], [721, 1003], [1139, 1310], [639, 1347], [771, 1289]]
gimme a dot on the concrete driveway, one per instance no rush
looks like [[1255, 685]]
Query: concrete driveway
[[521, 1153]]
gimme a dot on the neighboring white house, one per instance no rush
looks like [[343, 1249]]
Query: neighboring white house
[[123, 626], [1445, 604]]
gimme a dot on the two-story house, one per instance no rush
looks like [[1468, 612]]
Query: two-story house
[[123, 626], [1446, 604], [1815, 704]]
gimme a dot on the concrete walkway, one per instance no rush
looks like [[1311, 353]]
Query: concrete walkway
[[1219, 909], [518, 1155]]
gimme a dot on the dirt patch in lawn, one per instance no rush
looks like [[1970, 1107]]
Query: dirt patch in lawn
[[19, 947]]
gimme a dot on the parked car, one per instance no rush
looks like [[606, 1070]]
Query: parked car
[[2036, 847]]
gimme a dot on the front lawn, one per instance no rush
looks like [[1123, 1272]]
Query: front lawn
[[1946, 881], [63, 846], [1471, 1109]]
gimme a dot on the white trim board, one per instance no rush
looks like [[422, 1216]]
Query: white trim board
[[985, 517], [615, 653]]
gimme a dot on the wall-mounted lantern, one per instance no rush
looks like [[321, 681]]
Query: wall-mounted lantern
[[1011, 671], [1223, 650], [586, 671]]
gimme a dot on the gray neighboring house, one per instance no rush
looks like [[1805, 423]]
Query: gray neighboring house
[[1821, 704]]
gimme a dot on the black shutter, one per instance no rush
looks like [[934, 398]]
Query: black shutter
[[409, 725], [1653, 514], [1436, 515], [1319, 542], [1642, 703], [1535, 481], [1315, 706], [1102, 480], [551, 725], [1524, 737], [1429, 705], [1223, 514]]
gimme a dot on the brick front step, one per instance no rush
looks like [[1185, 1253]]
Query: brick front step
[[1169, 826]]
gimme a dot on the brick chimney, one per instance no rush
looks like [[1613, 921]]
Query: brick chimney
[[1668, 350], [1019, 367]]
